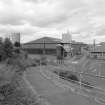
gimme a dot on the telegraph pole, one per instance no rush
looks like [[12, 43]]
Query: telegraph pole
[[44, 52], [94, 44]]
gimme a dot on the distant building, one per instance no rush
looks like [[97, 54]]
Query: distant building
[[14, 37], [45, 45], [77, 48], [67, 38], [98, 52], [72, 47], [48, 45]]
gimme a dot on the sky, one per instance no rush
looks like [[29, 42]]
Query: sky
[[85, 19]]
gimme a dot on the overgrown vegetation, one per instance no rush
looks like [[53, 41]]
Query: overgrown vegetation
[[14, 87], [71, 77], [6, 49]]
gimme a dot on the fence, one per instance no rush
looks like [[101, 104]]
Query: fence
[[95, 92]]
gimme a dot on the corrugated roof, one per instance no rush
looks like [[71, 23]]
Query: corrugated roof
[[36, 43], [46, 40]]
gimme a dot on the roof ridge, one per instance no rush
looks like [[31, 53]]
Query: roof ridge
[[46, 37]]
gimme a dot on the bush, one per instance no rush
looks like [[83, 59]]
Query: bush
[[17, 44], [68, 76], [56, 72], [73, 78], [63, 74]]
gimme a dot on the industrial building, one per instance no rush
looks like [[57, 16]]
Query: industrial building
[[48, 45], [72, 47], [45, 45], [67, 38], [97, 52]]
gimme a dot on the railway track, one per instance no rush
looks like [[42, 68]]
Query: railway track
[[97, 93]]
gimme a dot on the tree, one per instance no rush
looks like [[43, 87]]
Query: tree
[[8, 48], [17, 44], [1, 49], [17, 47]]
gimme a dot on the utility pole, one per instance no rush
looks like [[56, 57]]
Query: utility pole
[[44, 47], [94, 45]]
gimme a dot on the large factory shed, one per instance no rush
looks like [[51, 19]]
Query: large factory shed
[[45, 45]]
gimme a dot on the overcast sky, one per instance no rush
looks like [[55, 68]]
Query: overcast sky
[[36, 18]]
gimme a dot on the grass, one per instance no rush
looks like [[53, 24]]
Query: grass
[[55, 95], [69, 76], [52, 93], [14, 90]]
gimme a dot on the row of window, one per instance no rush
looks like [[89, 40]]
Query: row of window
[[41, 51]]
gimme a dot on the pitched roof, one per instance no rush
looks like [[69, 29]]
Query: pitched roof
[[39, 43], [45, 40]]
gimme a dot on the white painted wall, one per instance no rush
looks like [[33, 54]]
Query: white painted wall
[[67, 37]]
